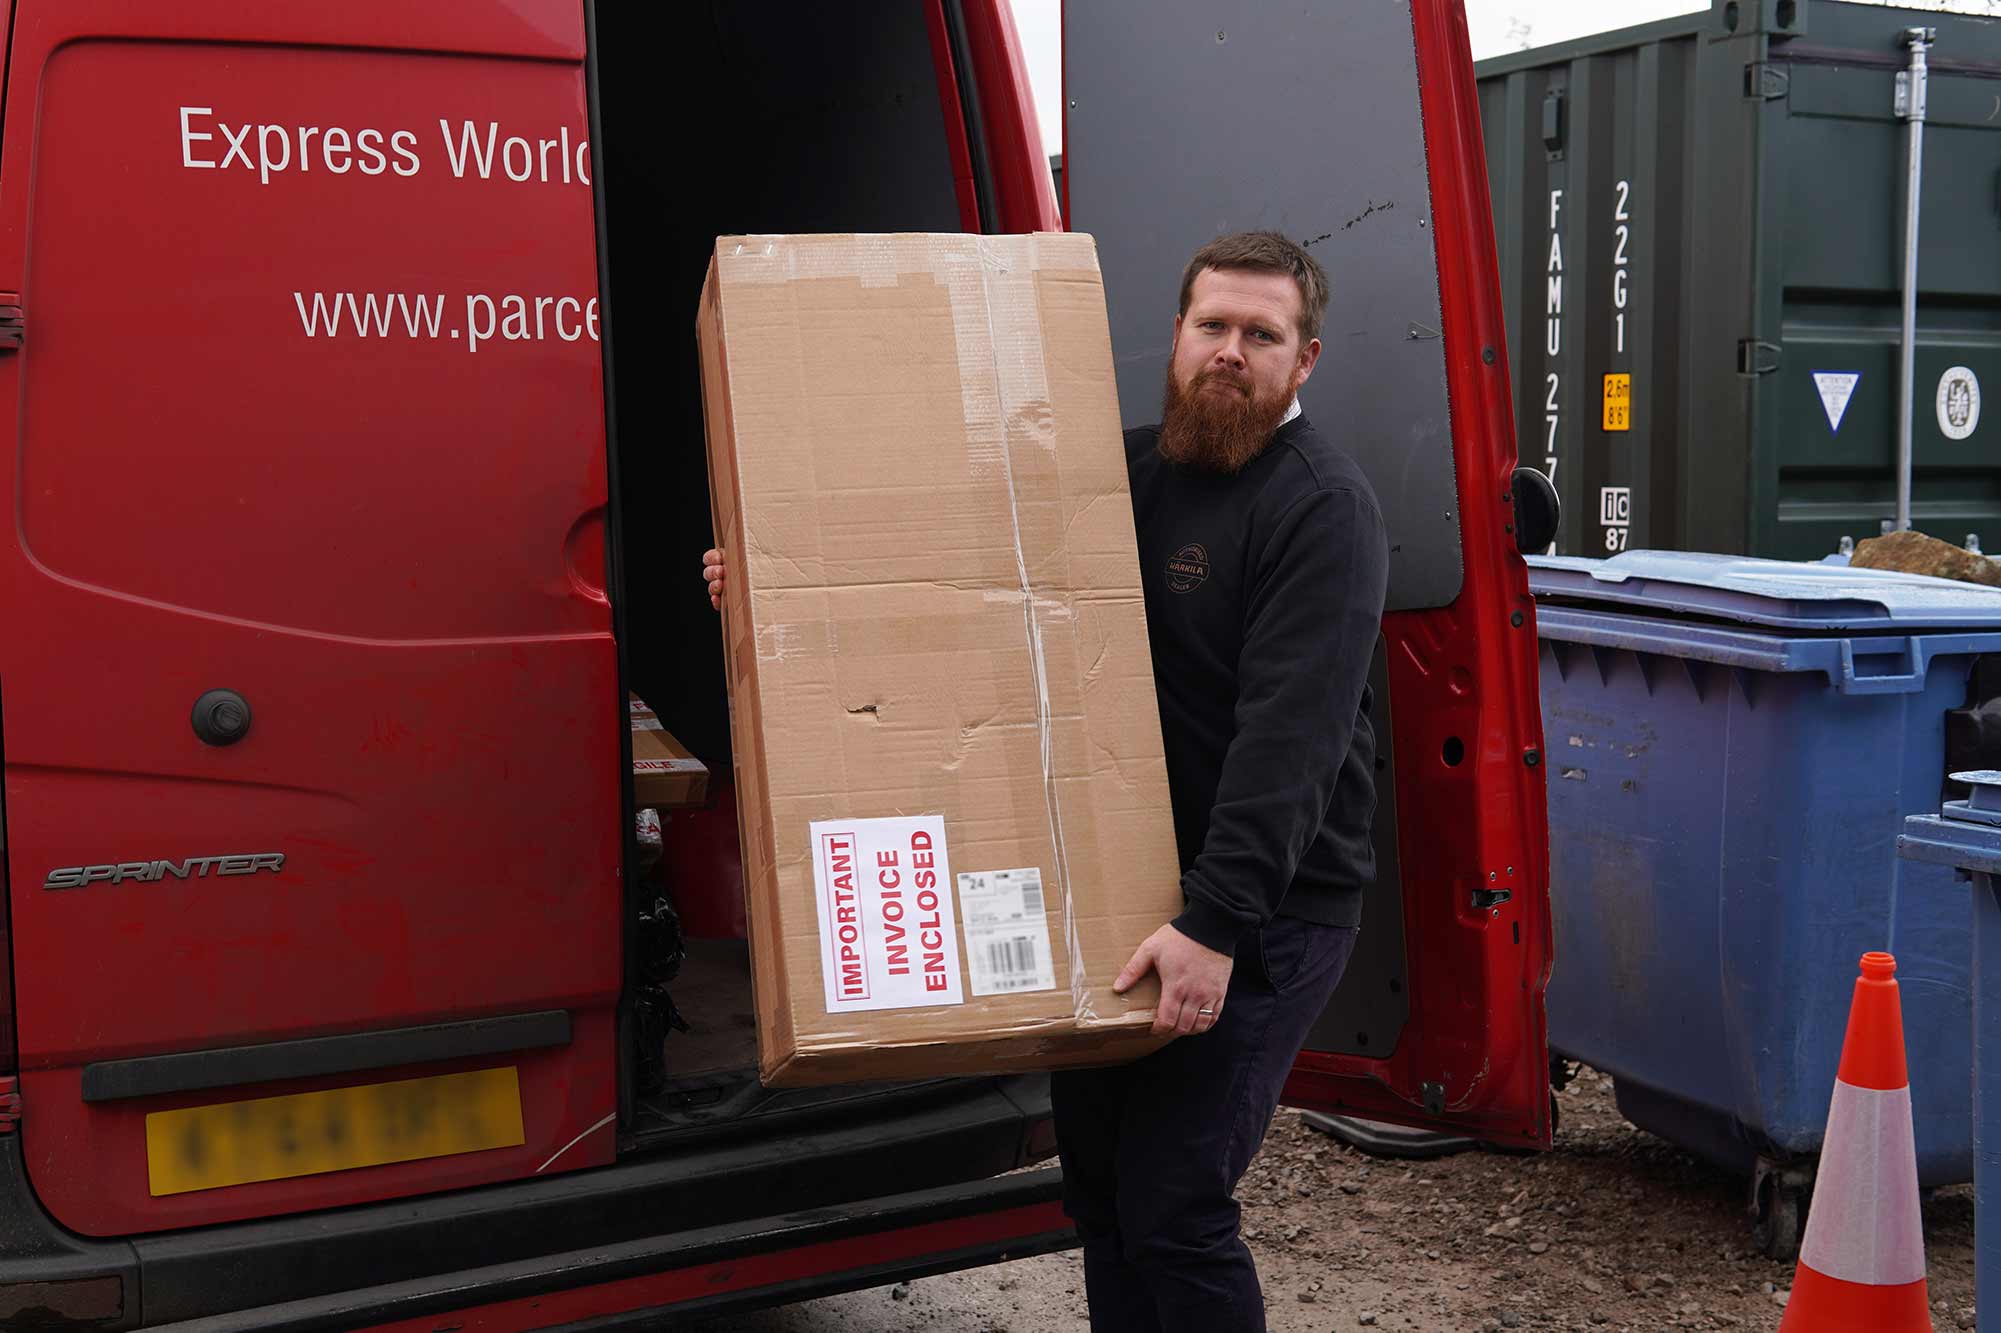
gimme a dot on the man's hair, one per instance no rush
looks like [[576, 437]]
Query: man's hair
[[1265, 252]]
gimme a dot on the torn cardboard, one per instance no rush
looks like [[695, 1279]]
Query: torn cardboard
[[664, 775], [952, 796]]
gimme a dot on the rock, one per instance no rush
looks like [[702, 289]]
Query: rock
[[1594, 1286], [1915, 553], [1350, 1187], [1366, 1319], [1538, 1247], [1966, 1319], [1635, 1283], [1509, 1319], [1307, 1298], [1598, 1317], [1691, 1309], [1769, 1289], [900, 1292], [1779, 1298]]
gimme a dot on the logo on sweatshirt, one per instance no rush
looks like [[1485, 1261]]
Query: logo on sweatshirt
[[1187, 568]]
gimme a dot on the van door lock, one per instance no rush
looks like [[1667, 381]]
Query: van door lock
[[222, 717]]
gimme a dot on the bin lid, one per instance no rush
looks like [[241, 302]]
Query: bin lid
[[1784, 593]]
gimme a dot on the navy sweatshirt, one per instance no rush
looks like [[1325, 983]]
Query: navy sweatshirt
[[1264, 600]]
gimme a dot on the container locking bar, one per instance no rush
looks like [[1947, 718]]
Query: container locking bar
[[1913, 88]]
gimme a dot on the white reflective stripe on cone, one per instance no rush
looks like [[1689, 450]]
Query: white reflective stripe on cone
[[1864, 1225]]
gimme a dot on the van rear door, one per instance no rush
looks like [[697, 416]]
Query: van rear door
[[1351, 125], [312, 722]]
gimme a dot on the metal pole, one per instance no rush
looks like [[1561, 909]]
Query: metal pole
[[1911, 90], [1986, 1098]]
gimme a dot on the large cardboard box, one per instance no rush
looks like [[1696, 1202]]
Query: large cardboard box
[[948, 757]]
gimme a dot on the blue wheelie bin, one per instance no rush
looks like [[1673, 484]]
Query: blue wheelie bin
[[1733, 746], [1966, 835]]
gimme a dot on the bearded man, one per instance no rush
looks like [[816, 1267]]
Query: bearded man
[[1264, 563]]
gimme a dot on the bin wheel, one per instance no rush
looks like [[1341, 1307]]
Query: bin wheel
[[1781, 1220]]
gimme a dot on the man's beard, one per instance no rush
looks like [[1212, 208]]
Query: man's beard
[[1219, 430]]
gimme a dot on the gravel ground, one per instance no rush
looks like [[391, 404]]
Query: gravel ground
[[1614, 1230]]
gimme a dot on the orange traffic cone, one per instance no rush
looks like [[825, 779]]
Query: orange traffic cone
[[1862, 1266]]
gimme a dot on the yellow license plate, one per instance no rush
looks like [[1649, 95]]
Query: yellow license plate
[[307, 1133]]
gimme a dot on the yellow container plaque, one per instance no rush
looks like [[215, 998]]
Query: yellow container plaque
[[1618, 402]]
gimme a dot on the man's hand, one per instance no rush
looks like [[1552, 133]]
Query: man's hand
[[1193, 981], [713, 571]]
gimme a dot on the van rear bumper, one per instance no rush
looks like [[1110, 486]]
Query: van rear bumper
[[703, 1204], [711, 1272]]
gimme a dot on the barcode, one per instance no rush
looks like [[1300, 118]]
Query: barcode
[[1007, 931], [1012, 959]]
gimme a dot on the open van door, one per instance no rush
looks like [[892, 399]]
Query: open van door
[[1352, 126], [311, 707]]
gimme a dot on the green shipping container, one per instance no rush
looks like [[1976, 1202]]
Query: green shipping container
[[1701, 227]]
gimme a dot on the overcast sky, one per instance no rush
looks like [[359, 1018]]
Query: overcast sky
[[1496, 26]]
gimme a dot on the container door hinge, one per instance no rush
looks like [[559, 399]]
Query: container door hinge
[[1767, 81], [12, 322], [10, 1104], [1757, 358]]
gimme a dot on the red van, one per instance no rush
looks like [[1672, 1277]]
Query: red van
[[348, 377]]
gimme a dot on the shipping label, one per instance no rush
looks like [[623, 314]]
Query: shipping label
[[668, 766], [888, 935], [1007, 932]]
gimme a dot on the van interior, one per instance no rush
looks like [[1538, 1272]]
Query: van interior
[[787, 136], [717, 120]]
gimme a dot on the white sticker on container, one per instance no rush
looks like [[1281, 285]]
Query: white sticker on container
[[1007, 932], [888, 937], [1836, 388], [1958, 403]]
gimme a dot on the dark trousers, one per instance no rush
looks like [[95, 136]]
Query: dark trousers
[[1152, 1151]]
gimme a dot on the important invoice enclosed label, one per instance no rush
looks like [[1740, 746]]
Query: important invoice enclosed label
[[888, 936]]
